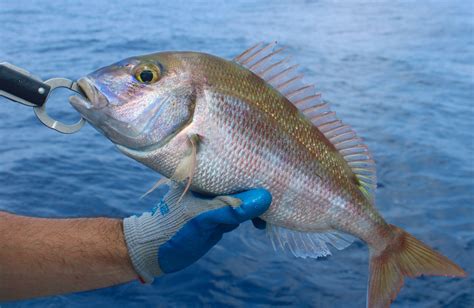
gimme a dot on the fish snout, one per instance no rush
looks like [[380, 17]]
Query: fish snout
[[92, 98]]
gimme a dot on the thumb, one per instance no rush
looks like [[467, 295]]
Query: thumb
[[253, 203]]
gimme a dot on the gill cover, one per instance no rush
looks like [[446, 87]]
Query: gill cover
[[140, 102]]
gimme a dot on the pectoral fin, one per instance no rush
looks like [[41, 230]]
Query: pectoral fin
[[186, 167], [184, 170]]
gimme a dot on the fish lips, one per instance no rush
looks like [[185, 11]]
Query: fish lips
[[92, 100], [90, 103]]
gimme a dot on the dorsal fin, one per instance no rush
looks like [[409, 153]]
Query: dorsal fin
[[266, 61]]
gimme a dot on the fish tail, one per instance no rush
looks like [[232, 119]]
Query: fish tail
[[404, 256]]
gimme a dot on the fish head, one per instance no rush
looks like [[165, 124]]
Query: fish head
[[139, 102]]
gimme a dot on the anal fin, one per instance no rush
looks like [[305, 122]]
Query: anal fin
[[307, 244]]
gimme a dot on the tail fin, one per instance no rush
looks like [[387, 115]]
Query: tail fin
[[403, 256]]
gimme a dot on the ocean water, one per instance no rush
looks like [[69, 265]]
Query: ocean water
[[400, 72]]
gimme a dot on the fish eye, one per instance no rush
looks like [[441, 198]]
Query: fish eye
[[147, 73]]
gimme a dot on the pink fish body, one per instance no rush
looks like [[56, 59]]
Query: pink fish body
[[223, 126]]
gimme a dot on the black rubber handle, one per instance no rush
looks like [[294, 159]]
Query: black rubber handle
[[23, 86]]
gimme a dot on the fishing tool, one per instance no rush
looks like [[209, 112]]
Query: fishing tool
[[25, 88]]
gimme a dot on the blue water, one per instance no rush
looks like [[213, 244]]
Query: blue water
[[400, 72]]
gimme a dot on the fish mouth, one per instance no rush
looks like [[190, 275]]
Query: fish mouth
[[91, 104], [92, 98]]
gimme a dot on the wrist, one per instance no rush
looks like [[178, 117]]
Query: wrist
[[143, 253], [145, 234]]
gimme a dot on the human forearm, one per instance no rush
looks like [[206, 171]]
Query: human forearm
[[41, 257]]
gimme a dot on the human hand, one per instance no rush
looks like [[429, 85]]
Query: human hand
[[179, 232]]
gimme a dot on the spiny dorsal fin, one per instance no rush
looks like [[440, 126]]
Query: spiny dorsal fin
[[266, 61]]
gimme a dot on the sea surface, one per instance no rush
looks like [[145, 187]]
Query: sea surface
[[400, 72]]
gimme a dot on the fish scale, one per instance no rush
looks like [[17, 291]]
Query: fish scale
[[300, 167], [221, 126], [278, 162]]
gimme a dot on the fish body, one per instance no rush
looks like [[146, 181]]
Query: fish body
[[226, 126]]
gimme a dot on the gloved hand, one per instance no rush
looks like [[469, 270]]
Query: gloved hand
[[179, 232]]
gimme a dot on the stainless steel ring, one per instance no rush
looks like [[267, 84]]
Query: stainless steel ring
[[55, 124]]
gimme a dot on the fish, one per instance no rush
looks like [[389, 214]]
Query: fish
[[220, 126]]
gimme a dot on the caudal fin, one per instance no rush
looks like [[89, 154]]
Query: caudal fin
[[404, 256]]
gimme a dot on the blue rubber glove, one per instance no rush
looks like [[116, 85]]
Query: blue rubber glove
[[180, 230]]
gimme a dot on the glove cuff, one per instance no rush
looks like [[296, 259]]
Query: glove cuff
[[146, 233], [143, 253]]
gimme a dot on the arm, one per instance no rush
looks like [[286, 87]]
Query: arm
[[41, 257]]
